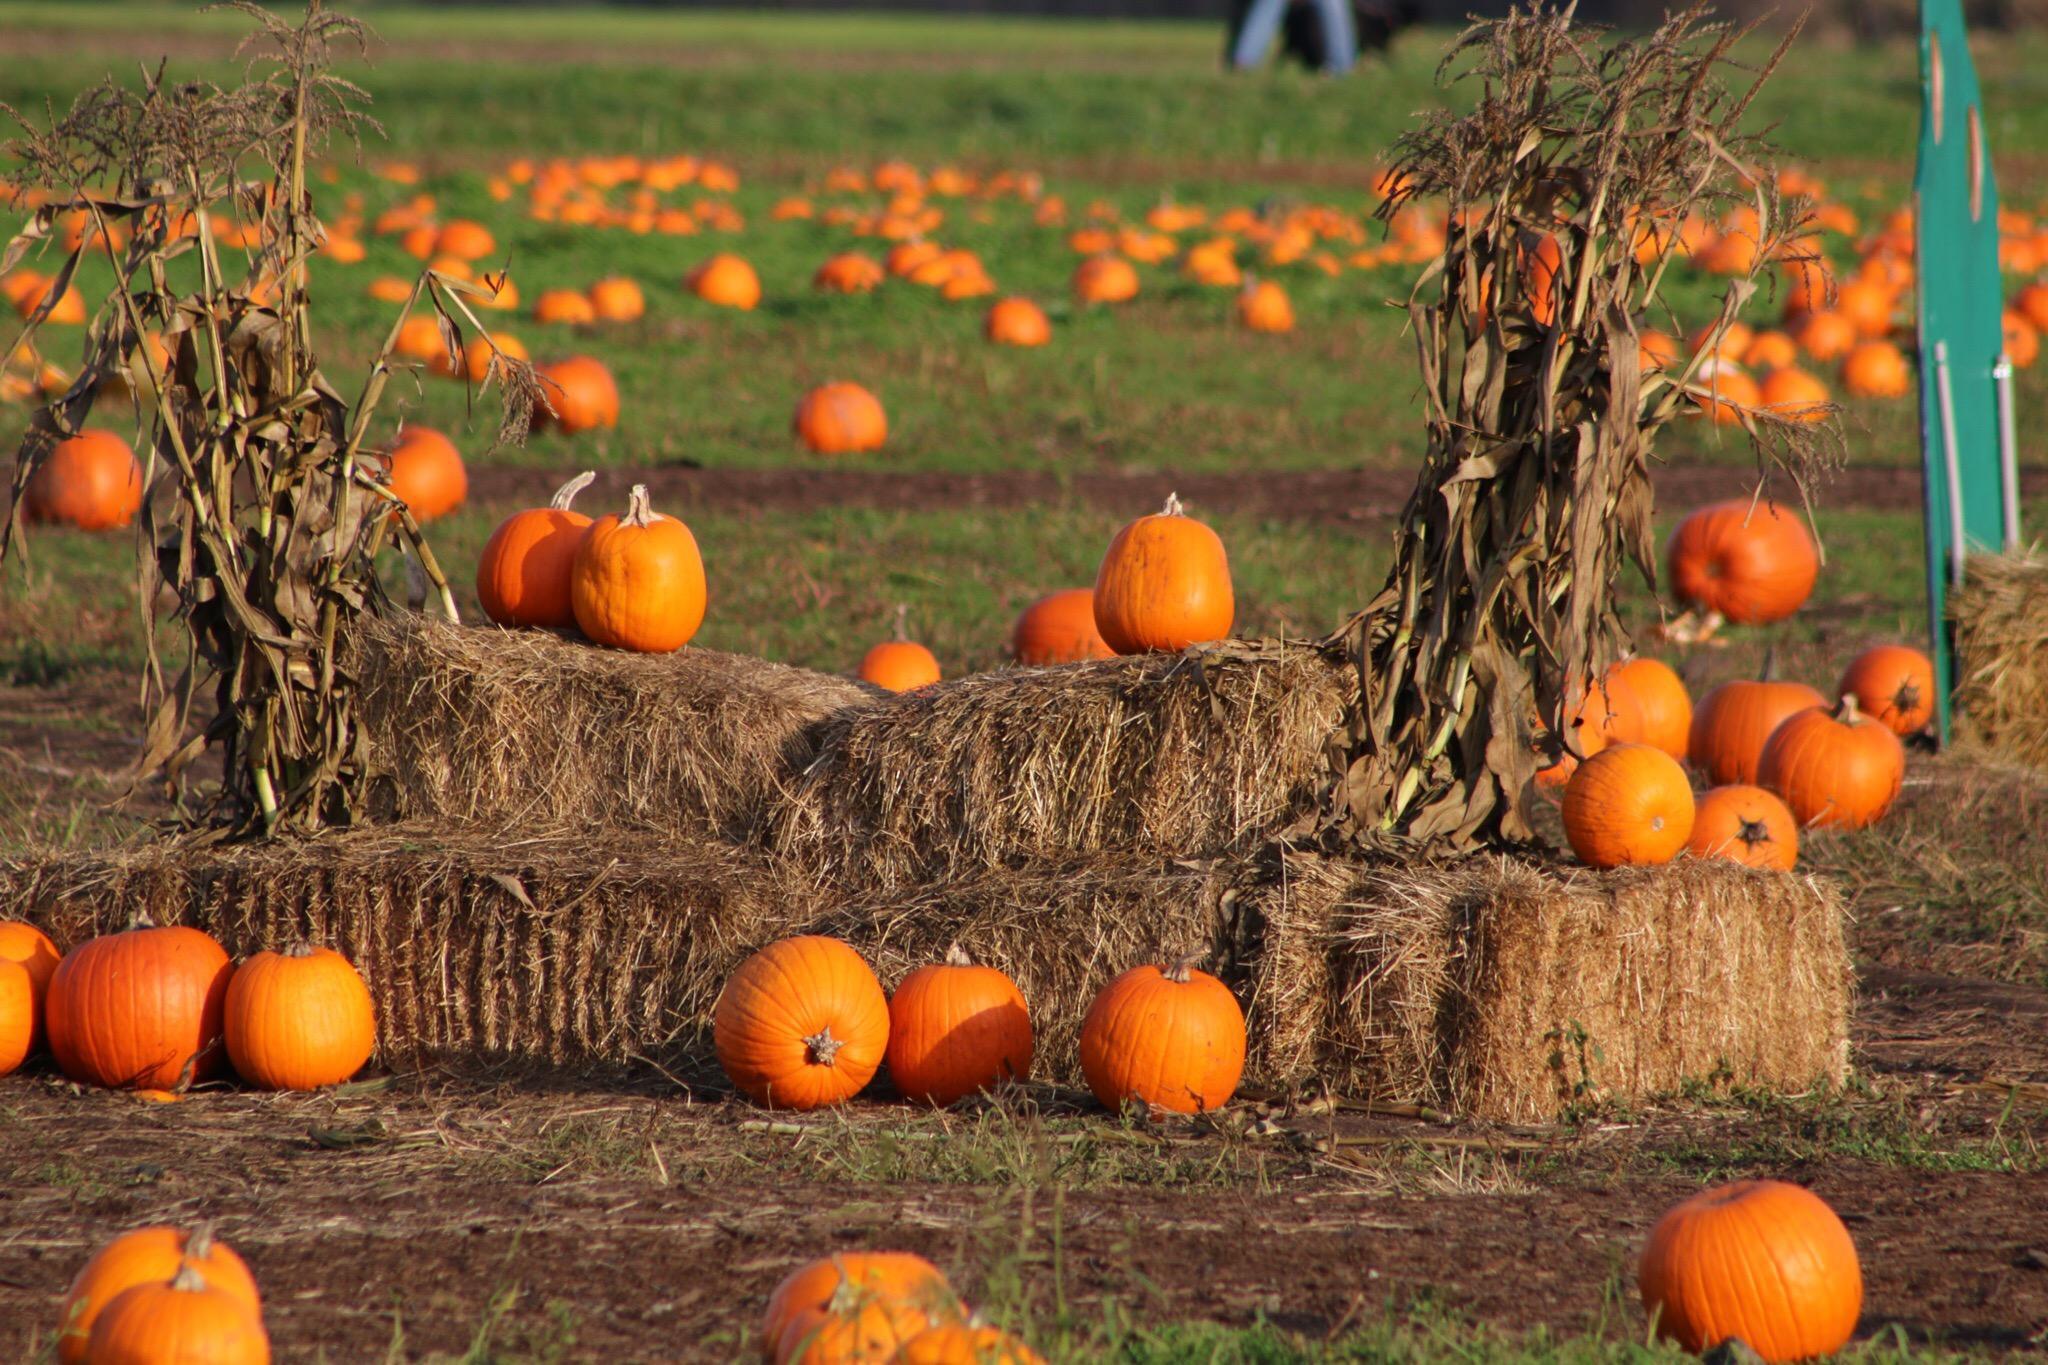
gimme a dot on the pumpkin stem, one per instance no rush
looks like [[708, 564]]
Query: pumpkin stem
[[1769, 671], [1754, 832], [303, 948], [902, 621], [188, 1280], [1847, 712], [566, 494], [199, 1242], [141, 919], [956, 956], [1172, 508], [821, 1047], [639, 511], [1178, 972]]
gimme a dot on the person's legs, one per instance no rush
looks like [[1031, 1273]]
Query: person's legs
[[1255, 32], [1340, 36]]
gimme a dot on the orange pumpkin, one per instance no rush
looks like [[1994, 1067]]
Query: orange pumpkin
[[1893, 684], [2022, 340], [1172, 1037], [478, 353], [958, 1343], [30, 948], [390, 289], [568, 307], [465, 240], [522, 577], [849, 272], [1263, 306], [1164, 584], [1877, 369], [1105, 279], [184, 1319], [955, 1028], [1016, 322], [617, 299], [1759, 1260], [2031, 303], [147, 1256], [1794, 394], [1751, 562], [855, 1306], [18, 1019], [1593, 727], [90, 481], [1770, 350], [1726, 346], [906, 258], [637, 581], [1650, 704], [1745, 824], [582, 393], [1656, 350], [1059, 628], [1628, 805], [899, 666], [801, 1024], [1840, 769], [840, 419], [1723, 393], [728, 281], [1734, 720], [140, 1008], [1867, 305], [1825, 335], [425, 471], [298, 1020], [420, 338]]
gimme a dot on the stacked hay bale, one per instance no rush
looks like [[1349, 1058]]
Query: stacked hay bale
[[2001, 637]]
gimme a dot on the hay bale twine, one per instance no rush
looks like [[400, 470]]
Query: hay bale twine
[[2001, 638]]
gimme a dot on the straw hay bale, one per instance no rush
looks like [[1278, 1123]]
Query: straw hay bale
[[530, 730], [2001, 638], [1195, 755]]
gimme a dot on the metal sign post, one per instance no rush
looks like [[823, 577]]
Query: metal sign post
[[1966, 423]]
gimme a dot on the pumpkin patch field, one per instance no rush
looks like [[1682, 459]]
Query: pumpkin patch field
[[693, 685]]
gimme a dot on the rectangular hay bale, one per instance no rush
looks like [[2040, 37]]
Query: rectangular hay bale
[[2001, 639]]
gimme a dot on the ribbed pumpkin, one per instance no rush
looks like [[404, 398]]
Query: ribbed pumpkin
[[1650, 705], [1734, 720], [801, 1024], [30, 948], [299, 1019], [18, 1020], [147, 1256], [1628, 805], [582, 393], [90, 481], [425, 470], [637, 581], [1762, 1261], [1893, 684], [1263, 306], [848, 273], [1164, 584], [617, 298], [1751, 562], [522, 577], [564, 307], [1170, 1036], [728, 281], [1059, 628], [1837, 769], [840, 419], [959, 1343], [139, 1008], [184, 1321], [1016, 322], [955, 1028], [855, 1306], [1745, 824], [1105, 279], [899, 666]]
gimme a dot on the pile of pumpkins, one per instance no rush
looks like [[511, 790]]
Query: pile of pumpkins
[[163, 1294], [155, 1008]]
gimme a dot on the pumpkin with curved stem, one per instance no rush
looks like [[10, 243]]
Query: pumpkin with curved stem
[[955, 1028], [1263, 306], [1877, 369], [90, 481], [1172, 1037], [1059, 628], [616, 298], [298, 1020], [582, 393], [182, 1320], [855, 1306], [1651, 704], [1752, 562], [1840, 768], [522, 577], [1735, 719], [801, 1024], [1745, 824], [849, 272], [18, 1020], [1760, 1261], [30, 948], [425, 471], [637, 581], [1893, 684], [139, 1008], [840, 419], [727, 281], [564, 307], [147, 1256], [1628, 805], [1016, 322], [1164, 584], [959, 1343], [1105, 279]]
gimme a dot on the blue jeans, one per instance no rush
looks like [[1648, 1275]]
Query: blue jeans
[[1262, 22]]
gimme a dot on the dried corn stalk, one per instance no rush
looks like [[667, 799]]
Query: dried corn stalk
[[1536, 486], [276, 512]]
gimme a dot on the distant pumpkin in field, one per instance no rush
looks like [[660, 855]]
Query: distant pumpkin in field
[[727, 281], [1825, 335], [841, 419], [617, 298], [1795, 395], [1753, 562], [582, 393], [90, 481], [1263, 306], [1105, 279], [1724, 393], [1877, 369], [849, 272], [564, 307], [425, 471], [464, 239], [1017, 322]]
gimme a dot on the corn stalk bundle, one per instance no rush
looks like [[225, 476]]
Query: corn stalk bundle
[[275, 510], [1535, 491]]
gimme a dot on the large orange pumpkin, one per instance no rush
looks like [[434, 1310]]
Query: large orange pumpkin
[[1894, 684], [90, 481], [728, 281], [139, 1008], [1105, 279], [18, 1017], [840, 419], [146, 1256], [298, 1020], [522, 577], [801, 1024], [1650, 705], [1753, 562], [1164, 584], [171, 1323], [1059, 628], [1747, 825], [955, 1028], [637, 581], [582, 393], [855, 1306], [1170, 1036], [425, 471], [1734, 720], [1016, 322], [1840, 769], [30, 948], [1628, 805], [1760, 1261]]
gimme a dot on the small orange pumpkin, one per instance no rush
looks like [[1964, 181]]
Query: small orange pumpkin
[[1651, 703], [1017, 322], [1795, 395], [801, 1024], [1840, 769], [1825, 335], [1734, 720], [1753, 562], [478, 353], [899, 666], [90, 481], [1770, 351], [1877, 369], [140, 1008], [522, 577], [1628, 805], [1759, 1260], [425, 471], [637, 581], [1164, 584], [855, 1306], [465, 240], [1263, 306], [1105, 279], [582, 393], [298, 1020], [958, 1343], [728, 281], [955, 1028], [1894, 684], [1747, 825], [147, 1256], [1172, 1037], [617, 298], [420, 338], [840, 419], [30, 948], [1724, 393], [1059, 628], [849, 272], [183, 1319], [566, 307]]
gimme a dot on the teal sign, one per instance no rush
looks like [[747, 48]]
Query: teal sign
[[1966, 426]]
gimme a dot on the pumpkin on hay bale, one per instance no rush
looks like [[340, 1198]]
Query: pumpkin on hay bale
[[2001, 636]]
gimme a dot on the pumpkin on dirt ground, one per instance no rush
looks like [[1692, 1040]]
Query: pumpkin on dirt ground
[[959, 1343], [1735, 720], [840, 419], [90, 481], [955, 1028], [30, 948], [522, 577], [424, 470], [637, 580], [1628, 806], [147, 1256], [18, 1020], [801, 1024], [1172, 1037], [1837, 768], [1760, 1261], [1059, 628], [1164, 584], [298, 1020], [581, 392], [1745, 824], [1893, 684], [855, 1306], [1752, 561], [182, 1320], [139, 1008]]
